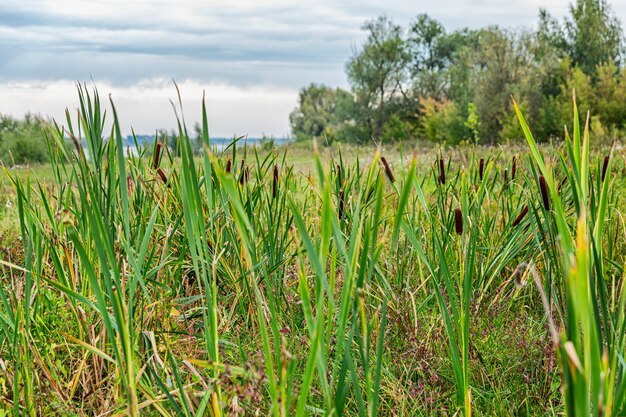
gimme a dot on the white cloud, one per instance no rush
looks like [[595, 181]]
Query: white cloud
[[253, 55], [146, 105]]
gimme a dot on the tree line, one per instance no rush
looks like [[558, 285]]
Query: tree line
[[455, 86]]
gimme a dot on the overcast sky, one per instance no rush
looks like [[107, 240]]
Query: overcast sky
[[250, 56]]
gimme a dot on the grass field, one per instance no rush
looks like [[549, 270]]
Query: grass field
[[300, 281]]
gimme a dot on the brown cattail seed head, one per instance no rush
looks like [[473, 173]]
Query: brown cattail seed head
[[513, 169], [341, 203], [442, 172], [458, 221], [339, 174], [157, 155], [387, 170], [130, 184], [605, 166], [245, 175], [519, 275], [228, 166], [520, 216], [505, 175], [162, 175], [481, 168], [275, 182], [544, 192], [79, 148]]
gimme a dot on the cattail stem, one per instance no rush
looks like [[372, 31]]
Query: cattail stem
[[387, 170], [520, 216], [544, 192], [458, 221]]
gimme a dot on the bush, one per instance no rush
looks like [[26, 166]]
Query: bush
[[22, 141]]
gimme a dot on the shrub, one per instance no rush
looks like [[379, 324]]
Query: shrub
[[22, 141]]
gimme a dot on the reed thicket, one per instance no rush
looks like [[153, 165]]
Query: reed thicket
[[143, 284]]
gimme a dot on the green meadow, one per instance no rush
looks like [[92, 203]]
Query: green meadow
[[312, 280]]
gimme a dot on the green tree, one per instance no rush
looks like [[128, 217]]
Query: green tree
[[321, 112], [594, 35], [610, 95], [170, 138], [431, 82], [378, 76], [430, 56], [499, 63], [22, 141]]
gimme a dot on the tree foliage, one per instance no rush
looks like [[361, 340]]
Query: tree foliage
[[322, 112], [595, 35], [378, 75], [22, 141], [455, 86]]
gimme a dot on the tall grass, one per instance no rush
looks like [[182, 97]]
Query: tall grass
[[591, 346], [231, 283]]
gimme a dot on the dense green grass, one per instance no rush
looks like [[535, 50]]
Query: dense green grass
[[307, 281]]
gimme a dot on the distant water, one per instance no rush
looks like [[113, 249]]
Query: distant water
[[217, 143], [221, 143]]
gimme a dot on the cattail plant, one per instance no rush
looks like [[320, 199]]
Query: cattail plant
[[442, 172], [246, 271], [130, 185], [341, 204], [79, 149], [275, 182], [243, 173], [520, 216], [605, 166], [157, 155], [513, 169], [339, 174], [590, 347], [544, 192], [162, 176], [387, 170], [505, 178], [519, 275], [458, 221]]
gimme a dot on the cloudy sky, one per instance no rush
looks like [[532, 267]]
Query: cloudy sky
[[249, 56]]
